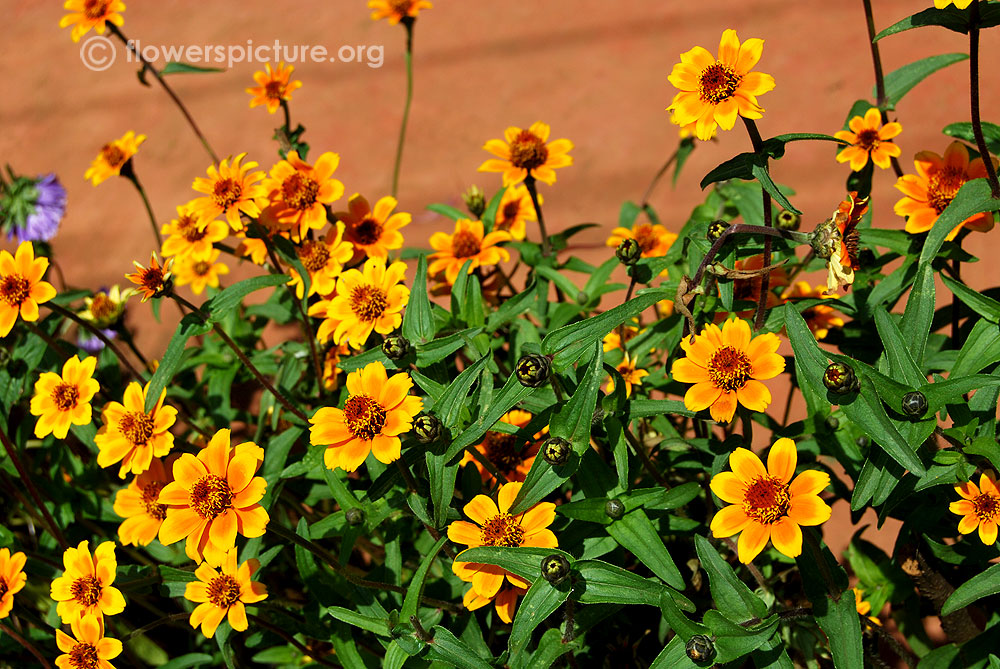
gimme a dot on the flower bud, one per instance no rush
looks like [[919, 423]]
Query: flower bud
[[533, 370], [915, 403], [427, 428], [475, 200], [354, 516], [628, 252], [863, 441], [555, 569], [700, 648], [395, 347], [840, 379], [787, 220], [715, 230], [556, 450], [832, 423], [614, 509], [825, 239]]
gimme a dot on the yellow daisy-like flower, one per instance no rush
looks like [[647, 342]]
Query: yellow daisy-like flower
[[397, 10], [654, 240], [373, 232], [200, 272], [867, 137], [501, 449], [106, 306], [377, 411], [214, 496], [504, 601], [225, 594], [331, 364], [152, 280], [935, 185], [515, 209], [113, 156], [726, 367], [495, 526], [87, 14], [689, 129], [630, 373], [12, 578], [90, 649], [468, 243], [324, 260], [229, 191], [767, 504], [961, 4], [85, 587], [714, 92], [273, 86], [979, 507], [138, 504], [619, 337], [300, 190], [863, 607], [132, 436], [526, 152], [365, 301], [190, 235], [60, 401], [21, 286], [819, 318]]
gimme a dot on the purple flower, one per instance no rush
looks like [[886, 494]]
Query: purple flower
[[91, 343], [50, 206]]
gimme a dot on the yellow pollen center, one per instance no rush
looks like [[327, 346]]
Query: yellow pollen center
[[368, 302], [729, 368], [718, 83], [201, 268], [465, 244], [500, 450], [943, 185], [364, 416], [150, 493], [65, 396], [102, 307], [368, 231], [299, 191], [528, 151], [766, 500], [227, 193], [314, 255], [868, 139], [84, 656], [95, 9], [137, 427], [275, 90], [645, 237], [14, 289], [210, 496], [223, 591], [502, 530], [86, 590], [114, 156], [986, 507]]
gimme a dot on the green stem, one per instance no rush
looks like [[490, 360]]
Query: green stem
[[640, 451], [307, 330], [129, 173], [765, 279], [288, 116], [408, 24], [173, 617], [656, 179], [880, 98], [302, 648], [96, 331], [529, 183], [977, 124], [27, 645], [32, 490]]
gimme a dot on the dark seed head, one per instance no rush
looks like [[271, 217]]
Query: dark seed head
[[832, 423], [700, 648], [914, 403]]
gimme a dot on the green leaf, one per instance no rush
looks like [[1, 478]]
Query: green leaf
[[190, 326], [418, 322], [951, 390], [972, 198], [836, 615], [981, 349], [540, 602], [448, 210], [950, 18], [379, 626], [742, 166], [489, 216], [455, 398], [985, 306], [446, 648], [489, 413], [760, 172], [511, 308], [734, 641], [175, 67], [522, 561], [635, 533], [991, 133], [901, 364], [413, 593], [729, 593], [442, 481], [550, 648], [229, 299], [684, 151], [915, 326], [598, 582], [188, 660], [899, 82], [438, 349]]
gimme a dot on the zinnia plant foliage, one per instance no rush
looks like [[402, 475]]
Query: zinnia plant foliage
[[476, 449]]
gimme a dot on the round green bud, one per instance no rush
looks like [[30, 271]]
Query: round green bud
[[915, 403], [840, 379], [475, 200], [427, 428], [787, 220], [863, 441], [715, 229], [700, 648], [555, 568], [582, 297], [395, 347], [354, 516], [614, 509], [556, 450], [628, 252], [832, 423], [533, 370]]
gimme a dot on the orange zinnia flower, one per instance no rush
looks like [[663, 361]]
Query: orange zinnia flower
[[515, 209], [200, 272], [501, 449], [214, 496], [299, 191], [12, 578], [377, 411], [189, 235], [819, 318], [90, 649], [525, 152], [113, 156], [504, 601], [726, 367], [619, 337], [224, 595], [867, 138], [138, 504], [131, 435], [654, 240], [21, 286], [766, 504], [494, 526], [714, 92], [373, 232], [63, 400], [935, 185], [85, 588], [89, 14], [273, 86], [364, 302], [230, 190], [331, 364], [324, 260], [979, 507], [152, 280], [468, 243], [630, 374], [397, 10]]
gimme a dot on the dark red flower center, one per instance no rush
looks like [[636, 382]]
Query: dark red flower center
[[502, 530], [718, 82], [766, 500], [210, 496], [528, 151], [364, 416], [729, 368]]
